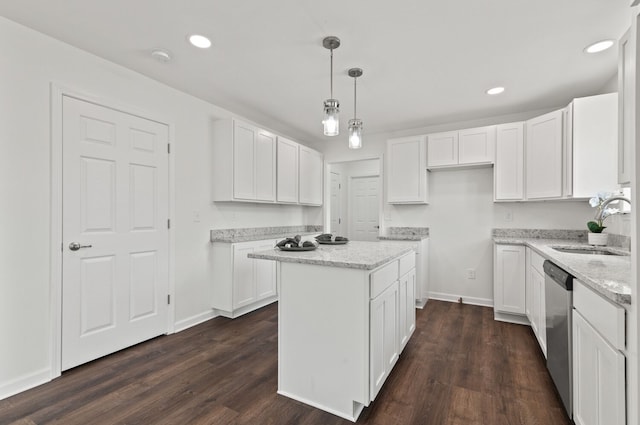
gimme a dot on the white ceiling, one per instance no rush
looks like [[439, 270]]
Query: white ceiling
[[425, 62]]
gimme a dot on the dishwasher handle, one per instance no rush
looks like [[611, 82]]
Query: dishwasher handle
[[558, 275]]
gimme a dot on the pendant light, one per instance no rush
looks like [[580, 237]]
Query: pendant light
[[355, 125], [331, 121]]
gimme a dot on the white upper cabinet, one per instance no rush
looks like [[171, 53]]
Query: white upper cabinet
[[544, 156], [244, 159], [460, 148], [442, 149], [626, 74], [287, 175], [477, 145], [508, 171], [407, 170], [591, 146], [310, 176]]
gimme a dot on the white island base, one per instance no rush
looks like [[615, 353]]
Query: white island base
[[340, 328]]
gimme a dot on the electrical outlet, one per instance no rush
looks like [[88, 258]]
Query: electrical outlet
[[471, 274], [508, 216], [196, 216]]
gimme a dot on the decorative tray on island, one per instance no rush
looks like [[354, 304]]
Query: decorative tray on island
[[329, 239], [297, 248], [332, 242]]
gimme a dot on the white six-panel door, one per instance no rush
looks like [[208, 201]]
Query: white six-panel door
[[115, 206], [364, 208]]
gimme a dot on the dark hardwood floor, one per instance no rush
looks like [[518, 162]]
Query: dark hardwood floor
[[460, 367]]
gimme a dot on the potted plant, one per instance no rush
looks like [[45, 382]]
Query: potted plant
[[596, 226]]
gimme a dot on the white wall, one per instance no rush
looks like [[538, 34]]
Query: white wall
[[461, 214], [30, 62]]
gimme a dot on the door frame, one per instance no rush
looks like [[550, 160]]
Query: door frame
[[57, 92], [350, 199], [327, 189]]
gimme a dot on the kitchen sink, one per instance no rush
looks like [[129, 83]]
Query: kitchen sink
[[587, 250]]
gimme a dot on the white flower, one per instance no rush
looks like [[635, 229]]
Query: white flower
[[594, 202], [609, 211]]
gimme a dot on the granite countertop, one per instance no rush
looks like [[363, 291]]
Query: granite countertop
[[261, 233], [405, 234], [609, 275], [354, 255]]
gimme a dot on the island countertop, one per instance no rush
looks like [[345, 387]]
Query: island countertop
[[355, 254]]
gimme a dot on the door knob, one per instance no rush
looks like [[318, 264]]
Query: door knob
[[74, 246]]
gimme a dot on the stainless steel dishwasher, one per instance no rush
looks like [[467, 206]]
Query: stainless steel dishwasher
[[558, 297]]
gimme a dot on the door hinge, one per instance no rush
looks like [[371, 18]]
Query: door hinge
[[339, 185], [168, 223], [168, 298], [339, 221], [168, 147]]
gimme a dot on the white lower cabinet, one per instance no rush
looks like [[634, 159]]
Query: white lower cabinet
[[509, 279], [535, 289], [242, 284], [384, 336], [407, 311], [598, 364]]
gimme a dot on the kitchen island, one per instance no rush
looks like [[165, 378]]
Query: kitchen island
[[345, 313]]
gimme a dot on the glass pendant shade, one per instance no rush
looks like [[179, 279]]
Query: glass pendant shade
[[331, 121], [355, 134]]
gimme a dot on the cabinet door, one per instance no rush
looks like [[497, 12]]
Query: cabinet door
[[265, 273], [528, 299], [244, 283], [598, 377], [244, 161], [287, 176], [626, 74], [383, 337], [442, 149], [265, 166], [477, 145], [509, 167], [509, 279], [544, 135], [311, 173], [407, 309], [406, 174]]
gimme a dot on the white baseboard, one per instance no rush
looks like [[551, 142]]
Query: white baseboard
[[454, 298], [511, 318], [24, 383], [194, 320]]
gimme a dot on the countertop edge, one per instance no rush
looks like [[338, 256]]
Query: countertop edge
[[616, 297], [264, 255]]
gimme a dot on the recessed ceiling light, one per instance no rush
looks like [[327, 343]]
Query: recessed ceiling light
[[161, 54], [200, 41], [599, 46], [495, 90]]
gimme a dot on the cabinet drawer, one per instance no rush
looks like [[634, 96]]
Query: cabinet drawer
[[536, 262], [382, 278], [606, 317], [407, 262]]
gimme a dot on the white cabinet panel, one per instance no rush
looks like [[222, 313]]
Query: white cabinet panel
[[265, 273], [598, 377], [311, 172], [407, 309], [476, 145], [406, 174], [509, 279], [244, 158], [384, 337], [287, 175], [265, 166], [244, 162], [544, 156], [626, 75], [244, 283], [508, 172], [442, 149]]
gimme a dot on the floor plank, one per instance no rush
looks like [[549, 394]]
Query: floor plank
[[460, 367]]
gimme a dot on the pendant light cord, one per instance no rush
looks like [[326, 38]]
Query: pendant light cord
[[355, 99], [331, 74]]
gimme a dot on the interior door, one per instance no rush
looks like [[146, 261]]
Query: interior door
[[364, 208], [335, 210], [115, 236]]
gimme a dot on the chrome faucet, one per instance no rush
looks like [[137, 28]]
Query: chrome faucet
[[607, 202]]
